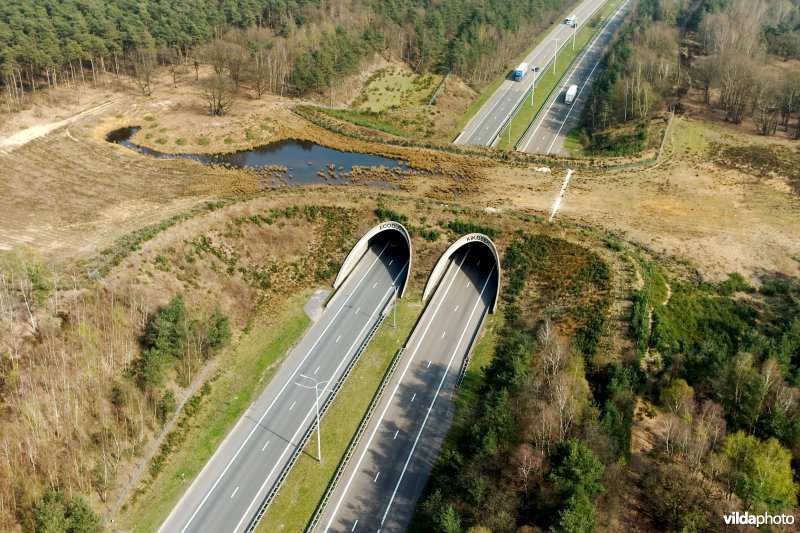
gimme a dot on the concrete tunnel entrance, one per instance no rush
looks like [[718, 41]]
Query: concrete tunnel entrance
[[394, 243], [478, 257]]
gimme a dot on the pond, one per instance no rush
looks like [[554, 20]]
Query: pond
[[292, 162]]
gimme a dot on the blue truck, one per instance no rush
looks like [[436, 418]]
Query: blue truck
[[520, 71]]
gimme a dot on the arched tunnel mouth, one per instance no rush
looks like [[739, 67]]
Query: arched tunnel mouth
[[479, 263], [394, 250]]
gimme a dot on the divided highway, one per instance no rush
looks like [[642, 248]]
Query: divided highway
[[550, 127], [232, 486], [487, 123], [389, 467]]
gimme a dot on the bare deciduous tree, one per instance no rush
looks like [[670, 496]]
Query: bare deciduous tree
[[144, 63], [218, 94]]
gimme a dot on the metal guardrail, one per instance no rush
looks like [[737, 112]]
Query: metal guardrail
[[513, 113], [262, 509], [439, 89], [467, 358], [583, 50], [355, 441]]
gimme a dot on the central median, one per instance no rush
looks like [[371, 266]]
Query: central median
[[548, 81], [305, 485]]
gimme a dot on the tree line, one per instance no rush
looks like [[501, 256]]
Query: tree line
[[547, 442], [670, 47], [277, 46]]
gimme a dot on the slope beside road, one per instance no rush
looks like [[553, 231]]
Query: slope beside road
[[380, 487], [549, 130], [229, 490], [490, 119]]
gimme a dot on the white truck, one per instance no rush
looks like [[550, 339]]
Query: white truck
[[570, 20], [520, 71], [572, 92]]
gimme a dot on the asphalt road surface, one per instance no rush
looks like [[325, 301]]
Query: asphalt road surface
[[228, 491], [553, 123], [389, 468], [487, 123]]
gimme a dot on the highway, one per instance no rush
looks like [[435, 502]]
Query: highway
[[389, 467], [235, 481], [551, 126], [484, 127]]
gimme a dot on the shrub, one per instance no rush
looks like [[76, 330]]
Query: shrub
[[383, 213], [461, 227], [735, 283], [166, 406]]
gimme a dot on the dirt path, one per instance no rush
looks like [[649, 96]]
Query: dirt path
[[21, 138], [669, 293]]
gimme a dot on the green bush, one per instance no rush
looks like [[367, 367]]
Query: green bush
[[166, 406], [384, 213], [52, 513], [461, 227], [735, 283]]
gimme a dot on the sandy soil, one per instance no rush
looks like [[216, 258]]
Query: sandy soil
[[686, 206], [69, 194]]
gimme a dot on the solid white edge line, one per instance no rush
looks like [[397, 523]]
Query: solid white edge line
[[569, 78], [256, 426], [389, 401], [589, 77], [435, 396], [266, 480]]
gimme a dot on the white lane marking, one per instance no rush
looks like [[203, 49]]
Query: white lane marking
[[584, 54], [415, 395], [265, 446], [469, 283], [376, 284], [456, 309], [443, 333], [292, 407], [354, 526], [376, 477], [391, 261], [435, 396], [311, 411], [337, 338], [234, 492], [540, 50], [258, 424], [395, 434], [357, 310], [357, 467], [429, 364], [588, 78], [315, 371]]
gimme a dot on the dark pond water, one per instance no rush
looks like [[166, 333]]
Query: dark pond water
[[292, 162]]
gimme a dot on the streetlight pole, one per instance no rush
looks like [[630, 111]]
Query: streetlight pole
[[394, 311], [316, 401], [555, 56], [574, 33], [533, 87]]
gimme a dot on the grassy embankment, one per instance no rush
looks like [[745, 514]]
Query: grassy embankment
[[548, 80], [393, 100], [238, 382], [305, 486]]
